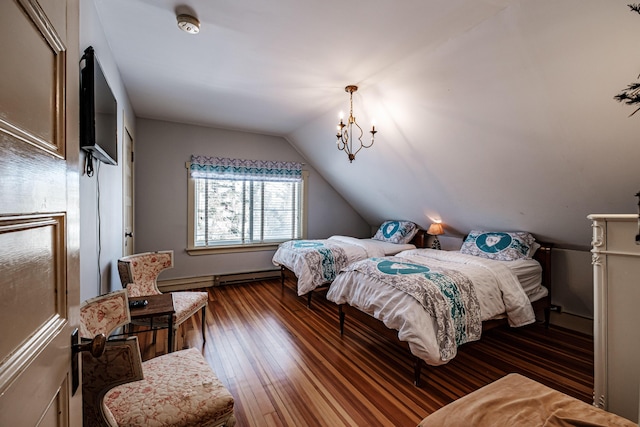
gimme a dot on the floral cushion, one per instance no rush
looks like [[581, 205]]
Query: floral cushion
[[502, 246], [139, 272], [178, 389], [400, 232], [103, 314], [186, 303]]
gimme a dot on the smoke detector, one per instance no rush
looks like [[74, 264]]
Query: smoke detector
[[188, 24]]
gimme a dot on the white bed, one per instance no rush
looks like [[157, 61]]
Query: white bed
[[504, 289], [317, 262], [497, 288]]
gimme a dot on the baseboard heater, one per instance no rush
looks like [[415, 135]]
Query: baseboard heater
[[215, 280], [228, 279]]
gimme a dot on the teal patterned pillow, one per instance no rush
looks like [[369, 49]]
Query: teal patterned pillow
[[396, 232], [502, 246]]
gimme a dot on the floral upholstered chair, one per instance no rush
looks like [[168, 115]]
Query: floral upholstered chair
[[104, 314], [139, 274], [118, 389]]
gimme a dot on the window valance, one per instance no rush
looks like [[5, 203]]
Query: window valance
[[240, 169]]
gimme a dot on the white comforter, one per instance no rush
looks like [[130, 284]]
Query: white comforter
[[355, 250], [497, 289]]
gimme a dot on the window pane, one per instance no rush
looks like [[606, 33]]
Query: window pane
[[281, 211], [245, 212]]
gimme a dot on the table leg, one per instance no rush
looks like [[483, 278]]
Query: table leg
[[171, 334]]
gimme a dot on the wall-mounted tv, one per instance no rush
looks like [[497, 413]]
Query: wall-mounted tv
[[98, 111]]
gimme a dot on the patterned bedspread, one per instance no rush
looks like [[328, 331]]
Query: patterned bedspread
[[447, 295], [431, 297], [317, 262], [324, 258]]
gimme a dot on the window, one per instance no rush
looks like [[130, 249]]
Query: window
[[244, 204]]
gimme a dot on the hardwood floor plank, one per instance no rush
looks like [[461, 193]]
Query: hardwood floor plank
[[287, 365]]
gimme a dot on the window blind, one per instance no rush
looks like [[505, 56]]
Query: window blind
[[246, 202]]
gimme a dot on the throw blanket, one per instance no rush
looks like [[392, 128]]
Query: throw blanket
[[515, 400], [447, 295], [516, 303], [324, 258]]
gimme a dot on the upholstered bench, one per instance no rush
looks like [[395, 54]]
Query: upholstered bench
[[178, 388], [515, 400]]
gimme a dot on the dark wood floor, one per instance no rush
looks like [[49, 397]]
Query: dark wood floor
[[287, 365]]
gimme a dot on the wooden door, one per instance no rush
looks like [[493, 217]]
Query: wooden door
[[39, 211]]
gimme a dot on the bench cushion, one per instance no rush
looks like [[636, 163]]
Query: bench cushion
[[178, 389]]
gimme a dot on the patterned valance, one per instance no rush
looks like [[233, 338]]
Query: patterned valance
[[240, 169]]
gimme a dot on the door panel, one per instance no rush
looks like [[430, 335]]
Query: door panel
[[31, 279], [32, 111], [39, 211], [44, 383]]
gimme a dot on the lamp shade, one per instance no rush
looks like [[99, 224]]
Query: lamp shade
[[435, 229]]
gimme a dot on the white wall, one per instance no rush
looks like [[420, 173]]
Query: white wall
[[162, 150], [101, 195], [510, 125]]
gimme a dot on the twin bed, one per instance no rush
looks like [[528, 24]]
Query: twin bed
[[438, 300], [316, 263]]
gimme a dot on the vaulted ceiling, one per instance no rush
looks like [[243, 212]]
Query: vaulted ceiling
[[491, 114]]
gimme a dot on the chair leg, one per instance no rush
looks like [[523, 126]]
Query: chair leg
[[204, 313]]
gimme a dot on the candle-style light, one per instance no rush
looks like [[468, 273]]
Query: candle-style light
[[345, 136]]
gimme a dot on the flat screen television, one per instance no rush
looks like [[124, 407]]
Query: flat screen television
[[98, 111]]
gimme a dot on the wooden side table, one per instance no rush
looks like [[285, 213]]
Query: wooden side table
[[157, 306]]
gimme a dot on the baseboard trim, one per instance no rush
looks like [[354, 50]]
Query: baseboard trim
[[186, 283], [199, 282], [249, 276], [573, 322]]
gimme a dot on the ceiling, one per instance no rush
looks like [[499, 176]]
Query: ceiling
[[491, 114], [269, 66]]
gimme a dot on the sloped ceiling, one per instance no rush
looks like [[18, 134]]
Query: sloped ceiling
[[491, 114]]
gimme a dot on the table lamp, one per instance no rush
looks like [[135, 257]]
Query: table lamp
[[435, 230]]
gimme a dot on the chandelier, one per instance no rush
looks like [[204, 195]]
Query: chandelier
[[345, 137]]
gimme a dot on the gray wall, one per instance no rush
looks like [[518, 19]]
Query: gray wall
[[101, 235], [162, 150]]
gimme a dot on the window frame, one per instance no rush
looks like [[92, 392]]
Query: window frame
[[236, 247]]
